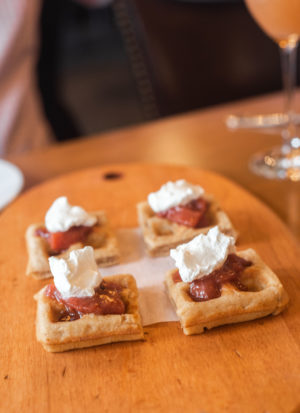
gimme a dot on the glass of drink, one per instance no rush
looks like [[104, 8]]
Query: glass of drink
[[280, 19]]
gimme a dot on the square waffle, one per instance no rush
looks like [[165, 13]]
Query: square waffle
[[102, 239], [90, 330], [266, 296], [160, 234]]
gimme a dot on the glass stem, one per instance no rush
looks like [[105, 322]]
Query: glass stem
[[288, 54]]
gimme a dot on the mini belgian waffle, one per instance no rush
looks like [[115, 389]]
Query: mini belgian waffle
[[266, 296], [102, 239], [90, 329], [160, 234]]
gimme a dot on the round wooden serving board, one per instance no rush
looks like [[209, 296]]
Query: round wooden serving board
[[247, 367]]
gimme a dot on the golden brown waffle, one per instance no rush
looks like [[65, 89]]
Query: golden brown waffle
[[266, 296], [160, 234], [90, 330], [102, 239]]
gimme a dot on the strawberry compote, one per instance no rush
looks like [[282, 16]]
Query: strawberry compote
[[106, 300], [60, 241], [210, 286], [194, 214]]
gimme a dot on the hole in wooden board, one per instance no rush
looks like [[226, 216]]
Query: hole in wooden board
[[112, 175]]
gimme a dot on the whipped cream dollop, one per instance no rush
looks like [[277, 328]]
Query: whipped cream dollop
[[202, 255], [172, 194], [61, 216], [77, 275]]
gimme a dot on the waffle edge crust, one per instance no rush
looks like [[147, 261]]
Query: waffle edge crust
[[90, 330], [266, 296], [102, 239], [160, 234]]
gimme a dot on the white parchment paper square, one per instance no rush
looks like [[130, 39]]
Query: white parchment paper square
[[155, 306]]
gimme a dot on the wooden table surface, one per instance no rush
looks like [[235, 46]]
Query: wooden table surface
[[196, 139], [250, 367]]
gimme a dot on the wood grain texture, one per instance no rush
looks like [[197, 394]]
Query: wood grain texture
[[250, 367]]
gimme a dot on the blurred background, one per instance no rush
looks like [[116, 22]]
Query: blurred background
[[130, 61]]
